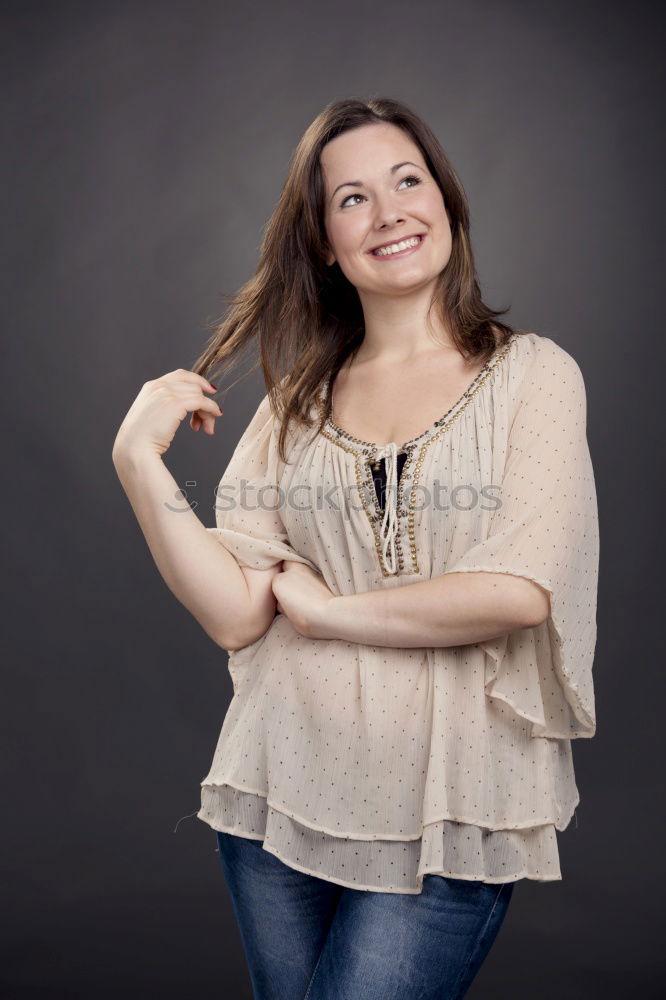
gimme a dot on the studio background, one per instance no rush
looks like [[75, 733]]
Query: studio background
[[145, 145]]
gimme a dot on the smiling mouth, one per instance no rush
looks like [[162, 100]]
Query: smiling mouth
[[400, 248]]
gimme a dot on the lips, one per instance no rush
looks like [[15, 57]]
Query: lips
[[398, 239]]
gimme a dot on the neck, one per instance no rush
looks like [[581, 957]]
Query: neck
[[398, 329]]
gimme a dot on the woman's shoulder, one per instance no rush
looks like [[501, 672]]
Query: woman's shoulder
[[540, 360]]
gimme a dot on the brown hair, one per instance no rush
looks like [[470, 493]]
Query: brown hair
[[306, 315]]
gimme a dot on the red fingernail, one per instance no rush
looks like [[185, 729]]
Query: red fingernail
[[214, 386]]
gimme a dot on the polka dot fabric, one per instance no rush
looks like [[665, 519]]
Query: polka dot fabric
[[372, 766]]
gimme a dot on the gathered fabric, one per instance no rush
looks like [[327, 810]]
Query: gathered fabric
[[372, 766]]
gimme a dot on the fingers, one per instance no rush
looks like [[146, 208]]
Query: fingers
[[203, 406], [183, 375], [180, 384], [200, 419], [204, 413], [208, 424], [189, 395]]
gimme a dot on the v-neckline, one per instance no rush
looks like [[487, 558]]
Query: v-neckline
[[497, 356]]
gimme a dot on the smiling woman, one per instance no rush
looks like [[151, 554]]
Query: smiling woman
[[402, 725], [404, 200]]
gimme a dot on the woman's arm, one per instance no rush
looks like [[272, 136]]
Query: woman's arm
[[449, 610], [233, 604], [545, 530]]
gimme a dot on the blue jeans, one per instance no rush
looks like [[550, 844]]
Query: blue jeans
[[309, 939]]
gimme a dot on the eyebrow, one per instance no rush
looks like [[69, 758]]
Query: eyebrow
[[393, 169]]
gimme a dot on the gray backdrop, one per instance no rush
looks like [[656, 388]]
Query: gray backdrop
[[145, 145]]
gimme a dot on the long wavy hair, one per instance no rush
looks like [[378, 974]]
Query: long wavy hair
[[306, 315]]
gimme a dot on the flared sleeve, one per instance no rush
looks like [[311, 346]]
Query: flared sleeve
[[249, 501], [545, 528]]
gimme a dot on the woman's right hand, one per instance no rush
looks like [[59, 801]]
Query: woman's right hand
[[160, 407]]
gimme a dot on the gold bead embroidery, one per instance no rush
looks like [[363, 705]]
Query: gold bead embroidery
[[470, 396], [363, 463], [372, 517]]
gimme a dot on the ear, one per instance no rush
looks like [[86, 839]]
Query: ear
[[330, 259]]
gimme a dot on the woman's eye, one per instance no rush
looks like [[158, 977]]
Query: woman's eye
[[409, 177], [344, 202]]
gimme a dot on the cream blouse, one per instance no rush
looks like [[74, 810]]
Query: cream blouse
[[372, 766]]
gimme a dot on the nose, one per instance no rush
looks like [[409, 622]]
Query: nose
[[389, 219], [387, 214]]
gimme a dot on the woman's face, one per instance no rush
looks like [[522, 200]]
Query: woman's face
[[383, 205]]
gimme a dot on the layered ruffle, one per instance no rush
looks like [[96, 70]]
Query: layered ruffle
[[447, 847]]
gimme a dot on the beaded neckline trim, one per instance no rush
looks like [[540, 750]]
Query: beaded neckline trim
[[325, 406], [365, 451]]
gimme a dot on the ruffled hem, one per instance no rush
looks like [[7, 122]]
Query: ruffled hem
[[447, 848], [562, 711]]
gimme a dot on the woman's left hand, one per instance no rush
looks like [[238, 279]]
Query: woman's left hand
[[304, 598]]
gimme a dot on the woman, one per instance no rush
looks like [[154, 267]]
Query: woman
[[403, 568]]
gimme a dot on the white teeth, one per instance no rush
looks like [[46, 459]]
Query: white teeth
[[396, 247]]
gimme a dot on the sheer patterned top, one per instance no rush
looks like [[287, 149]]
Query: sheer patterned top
[[372, 766]]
